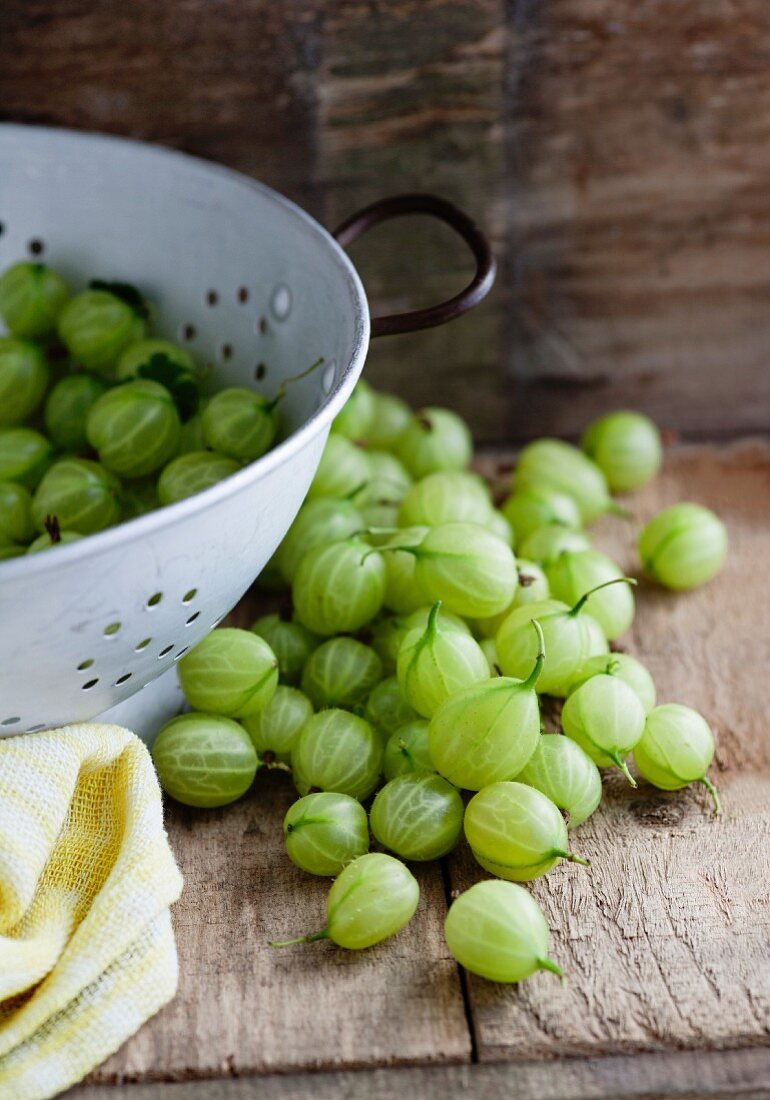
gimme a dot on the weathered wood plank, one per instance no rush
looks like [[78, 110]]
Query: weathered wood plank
[[665, 939], [683, 1076], [243, 1007]]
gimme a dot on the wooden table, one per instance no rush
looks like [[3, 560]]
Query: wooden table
[[665, 940]]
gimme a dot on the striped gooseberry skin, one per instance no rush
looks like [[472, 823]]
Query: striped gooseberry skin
[[449, 496], [341, 672], [554, 464], [67, 408], [404, 591], [418, 816], [627, 448], [134, 428], [434, 439], [547, 544], [323, 832], [16, 525], [471, 570], [683, 546], [676, 749], [339, 588], [291, 642], [204, 760], [193, 472], [538, 506], [318, 523], [532, 587], [434, 663], [337, 751], [626, 668], [239, 423], [391, 416], [407, 750], [386, 709], [373, 898], [560, 769], [343, 469], [230, 672], [576, 572], [498, 931], [82, 495], [275, 729], [31, 298], [357, 414], [96, 326], [515, 831], [23, 379], [606, 718], [25, 455]]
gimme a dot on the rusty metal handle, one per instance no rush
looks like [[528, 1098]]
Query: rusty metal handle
[[447, 212]]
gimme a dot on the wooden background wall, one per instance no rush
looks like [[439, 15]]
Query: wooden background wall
[[617, 151]]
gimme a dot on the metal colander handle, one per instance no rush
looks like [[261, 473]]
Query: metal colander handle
[[477, 289]]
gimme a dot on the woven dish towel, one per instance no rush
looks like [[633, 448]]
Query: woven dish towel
[[86, 880]]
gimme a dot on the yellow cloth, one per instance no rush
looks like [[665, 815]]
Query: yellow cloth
[[86, 880]]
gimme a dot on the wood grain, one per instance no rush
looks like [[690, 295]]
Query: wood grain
[[243, 1007], [684, 1076], [665, 939]]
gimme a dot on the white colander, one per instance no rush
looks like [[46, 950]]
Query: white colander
[[252, 285]]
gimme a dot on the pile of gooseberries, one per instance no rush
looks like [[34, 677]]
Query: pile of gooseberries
[[418, 626], [401, 679]]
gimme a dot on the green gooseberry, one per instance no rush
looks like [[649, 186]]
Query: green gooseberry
[[627, 448], [683, 546], [54, 537], [606, 718], [626, 668], [67, 408], [192, 473], [487, 731], [343, 469], [81, 494], [23, 379], [547, 544], [137, 498], [275, 728], [137, 360], [434, 439], [191, 436], [341, 672], [239, 423], [337, 751], [532, 587], [434, 663], [25, 455], [516, 832], [676, 749], [373, 897], [499, 525], [391, 416], [554, 464], [388, 481], [12, 551], [449, 496], [489, 649], [339, 588], [538, 506], [386, 637], [16, 525], [98, 324], [134, 428], [323, 832], [407, 750], [230, 672], [497, 930], [357, 414], [566, 774], [31, 298], [204, 760], [576, 572], [418, 816], [404, 591], [317, 523], [386, 709], [291, 642]]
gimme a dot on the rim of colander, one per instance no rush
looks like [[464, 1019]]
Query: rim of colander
[[92, 545]]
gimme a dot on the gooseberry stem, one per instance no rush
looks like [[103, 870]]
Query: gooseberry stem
[[714, 794], [534, 675], [281, 393], [432, 624], [548, 964], [572, 858], [311, 937], [619, 762], [605, 584]]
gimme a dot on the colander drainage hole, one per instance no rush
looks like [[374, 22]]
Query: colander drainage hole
[[36, 729], [181, 653], [13, 721], [187, 331], [89, 684], [226, 352], [36, 247], [154, 600], [85, 664], [190, 596], [111, 629], [122, 679], [142, 645], [165, 651], [212, 297], [192, 619], [260, 371], [243, 294]]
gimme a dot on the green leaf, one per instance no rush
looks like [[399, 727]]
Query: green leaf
[[126, 292], [177, 380]]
